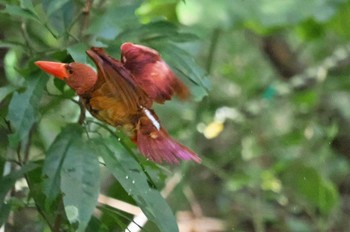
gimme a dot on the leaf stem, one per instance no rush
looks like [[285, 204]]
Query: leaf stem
[[212, 48]]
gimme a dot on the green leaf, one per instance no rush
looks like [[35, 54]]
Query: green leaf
[[106, 27], [61, 14], [5, 91], [155, 31], [308, 184], [5, 210], [9, 180], [59, 84], [24, 106], [77, 51], [27, 4], [54, 6], [184, 65], [340, 21], [131, 176], [151, 9], [54, 160], [80, 182], [306, 99], [72, 168], [17, 11], [259, 16]]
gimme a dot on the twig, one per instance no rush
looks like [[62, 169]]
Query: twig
[[118, 204], [85, 16], [195, 206], [82, 112]]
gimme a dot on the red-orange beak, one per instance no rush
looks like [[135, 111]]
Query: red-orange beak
[[56, 69]]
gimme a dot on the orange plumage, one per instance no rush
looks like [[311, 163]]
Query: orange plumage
[[122, 93]]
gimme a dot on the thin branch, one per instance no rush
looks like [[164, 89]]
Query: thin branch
[[85, 17], [82, 112], [191, 198]]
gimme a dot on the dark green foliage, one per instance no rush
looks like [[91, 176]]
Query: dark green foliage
[[273, 134]]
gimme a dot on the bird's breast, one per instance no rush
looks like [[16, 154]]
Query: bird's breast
[[110, 110]]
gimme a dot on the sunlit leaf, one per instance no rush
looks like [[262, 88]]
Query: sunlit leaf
[[259, 16], [151, 9]]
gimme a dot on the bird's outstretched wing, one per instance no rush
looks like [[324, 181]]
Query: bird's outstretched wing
[[119, 80], [151, 73]]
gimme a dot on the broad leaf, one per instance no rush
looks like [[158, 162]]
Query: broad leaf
[[54, 160], [60, 14], [17, 11], [106, 26], [23, 108], [77, 51], [5, 91], [307, 183], [184, 65], [131, 176], [72, 168], [80, 182], [157, 30]]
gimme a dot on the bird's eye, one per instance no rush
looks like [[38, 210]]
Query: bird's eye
[[69, 69]]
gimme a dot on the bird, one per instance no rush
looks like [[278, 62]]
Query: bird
[[122, 92]]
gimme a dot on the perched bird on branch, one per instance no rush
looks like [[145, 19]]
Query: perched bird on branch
[[121, 94]]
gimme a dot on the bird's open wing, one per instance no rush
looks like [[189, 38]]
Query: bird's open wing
[[151, 73], [118, 79]]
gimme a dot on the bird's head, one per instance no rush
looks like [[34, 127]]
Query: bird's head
[[79, 77]]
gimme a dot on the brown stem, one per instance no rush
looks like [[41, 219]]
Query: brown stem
[[286, 61], [85, 18], [82, 112]]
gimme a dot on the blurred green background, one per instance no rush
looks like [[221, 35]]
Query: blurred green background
[[269, 115]]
